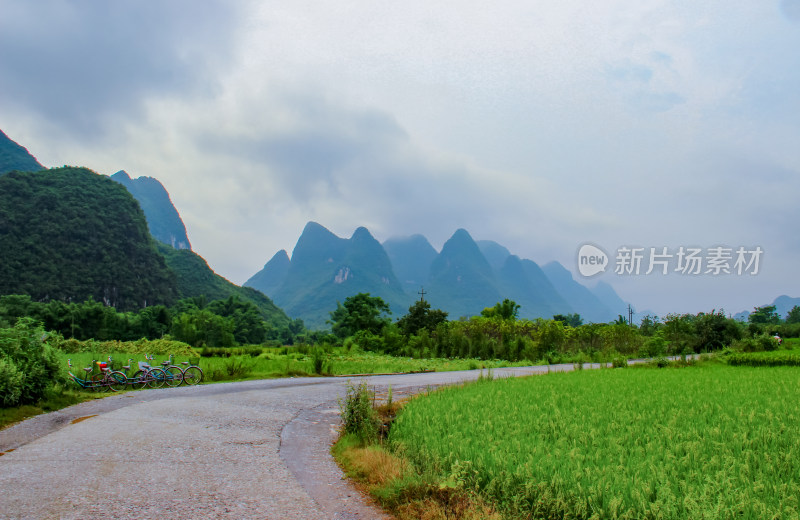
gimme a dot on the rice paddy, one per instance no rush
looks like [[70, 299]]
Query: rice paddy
[[707, 442]]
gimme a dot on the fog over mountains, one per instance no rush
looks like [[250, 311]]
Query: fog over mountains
[[462, 279]]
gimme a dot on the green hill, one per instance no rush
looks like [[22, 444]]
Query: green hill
[[15, 157], [70, 234], [196, 278]]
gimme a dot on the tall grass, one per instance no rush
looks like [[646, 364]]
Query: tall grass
[[710, 442]]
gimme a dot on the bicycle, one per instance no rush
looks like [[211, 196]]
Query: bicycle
[[106, 379], [174, 373], [192, 374], [147, 375]]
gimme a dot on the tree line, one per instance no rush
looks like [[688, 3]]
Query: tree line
[[220, 323], [498, 333]]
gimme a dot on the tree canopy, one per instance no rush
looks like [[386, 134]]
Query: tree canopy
[[360, 312], [421, 316], [507, 310]]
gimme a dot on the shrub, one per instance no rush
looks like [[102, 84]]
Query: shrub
[[619, 362], [318, 360], [28, 365], [358, 416]]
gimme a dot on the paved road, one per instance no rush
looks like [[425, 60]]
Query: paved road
[[255, 449]]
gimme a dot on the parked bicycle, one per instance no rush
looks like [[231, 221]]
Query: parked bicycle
[[103, 380], [150, 376], [174, 373], [192, 374]]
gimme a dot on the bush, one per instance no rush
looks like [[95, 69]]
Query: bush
[[28, 365], [759, 343], [619, 362], [358, 416]]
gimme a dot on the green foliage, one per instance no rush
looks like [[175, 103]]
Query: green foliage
[[713, 331], [70, 234], [573, 320], [28, 365], [793, 316], [760, 343], [248, 326], [195, 279], [360, 312], [358, 416], [765, 315], [649, 325], [764, 359], [507, 310], [158, 347], [202, 327], [421, 316]]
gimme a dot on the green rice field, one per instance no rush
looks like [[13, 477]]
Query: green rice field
[[706, 442]]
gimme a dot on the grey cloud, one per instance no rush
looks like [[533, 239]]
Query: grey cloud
[[320, 146], [77, 63]]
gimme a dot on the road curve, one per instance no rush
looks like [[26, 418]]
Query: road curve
[[253, 449]]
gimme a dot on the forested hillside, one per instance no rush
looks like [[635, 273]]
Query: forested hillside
[[70, 234], [196, 279]]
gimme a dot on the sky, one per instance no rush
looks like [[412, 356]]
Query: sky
[[626, 124]]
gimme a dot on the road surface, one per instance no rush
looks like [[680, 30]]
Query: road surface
[[252, 449]]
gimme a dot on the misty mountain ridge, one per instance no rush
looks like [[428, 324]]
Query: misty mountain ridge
[[462, 279]]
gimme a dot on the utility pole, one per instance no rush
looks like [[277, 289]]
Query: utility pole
[[421, 293], [630, 315]]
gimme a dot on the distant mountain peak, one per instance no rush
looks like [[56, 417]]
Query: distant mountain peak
[[121, 176], [362, 233], [163, 219]]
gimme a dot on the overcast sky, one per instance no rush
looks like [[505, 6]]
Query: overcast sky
[[541, 125]]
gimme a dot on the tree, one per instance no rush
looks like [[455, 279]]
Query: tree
[[359, 312], [793, 316], [420, 316], [765, 315], [249, 327], [573, 320], [507, 310], [203, 328], [714, 331], [649, 325]]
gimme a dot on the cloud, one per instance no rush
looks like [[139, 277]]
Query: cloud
[[88, 66], [541, 127]]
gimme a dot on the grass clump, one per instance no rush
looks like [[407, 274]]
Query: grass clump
[[359, 419]]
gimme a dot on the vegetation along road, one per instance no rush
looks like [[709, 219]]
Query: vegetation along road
[[253, 449]]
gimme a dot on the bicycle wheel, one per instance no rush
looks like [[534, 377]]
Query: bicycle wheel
[[138, 380], [156, 378], [98, 383], [174, 375], [192, 375], [117, 381]]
